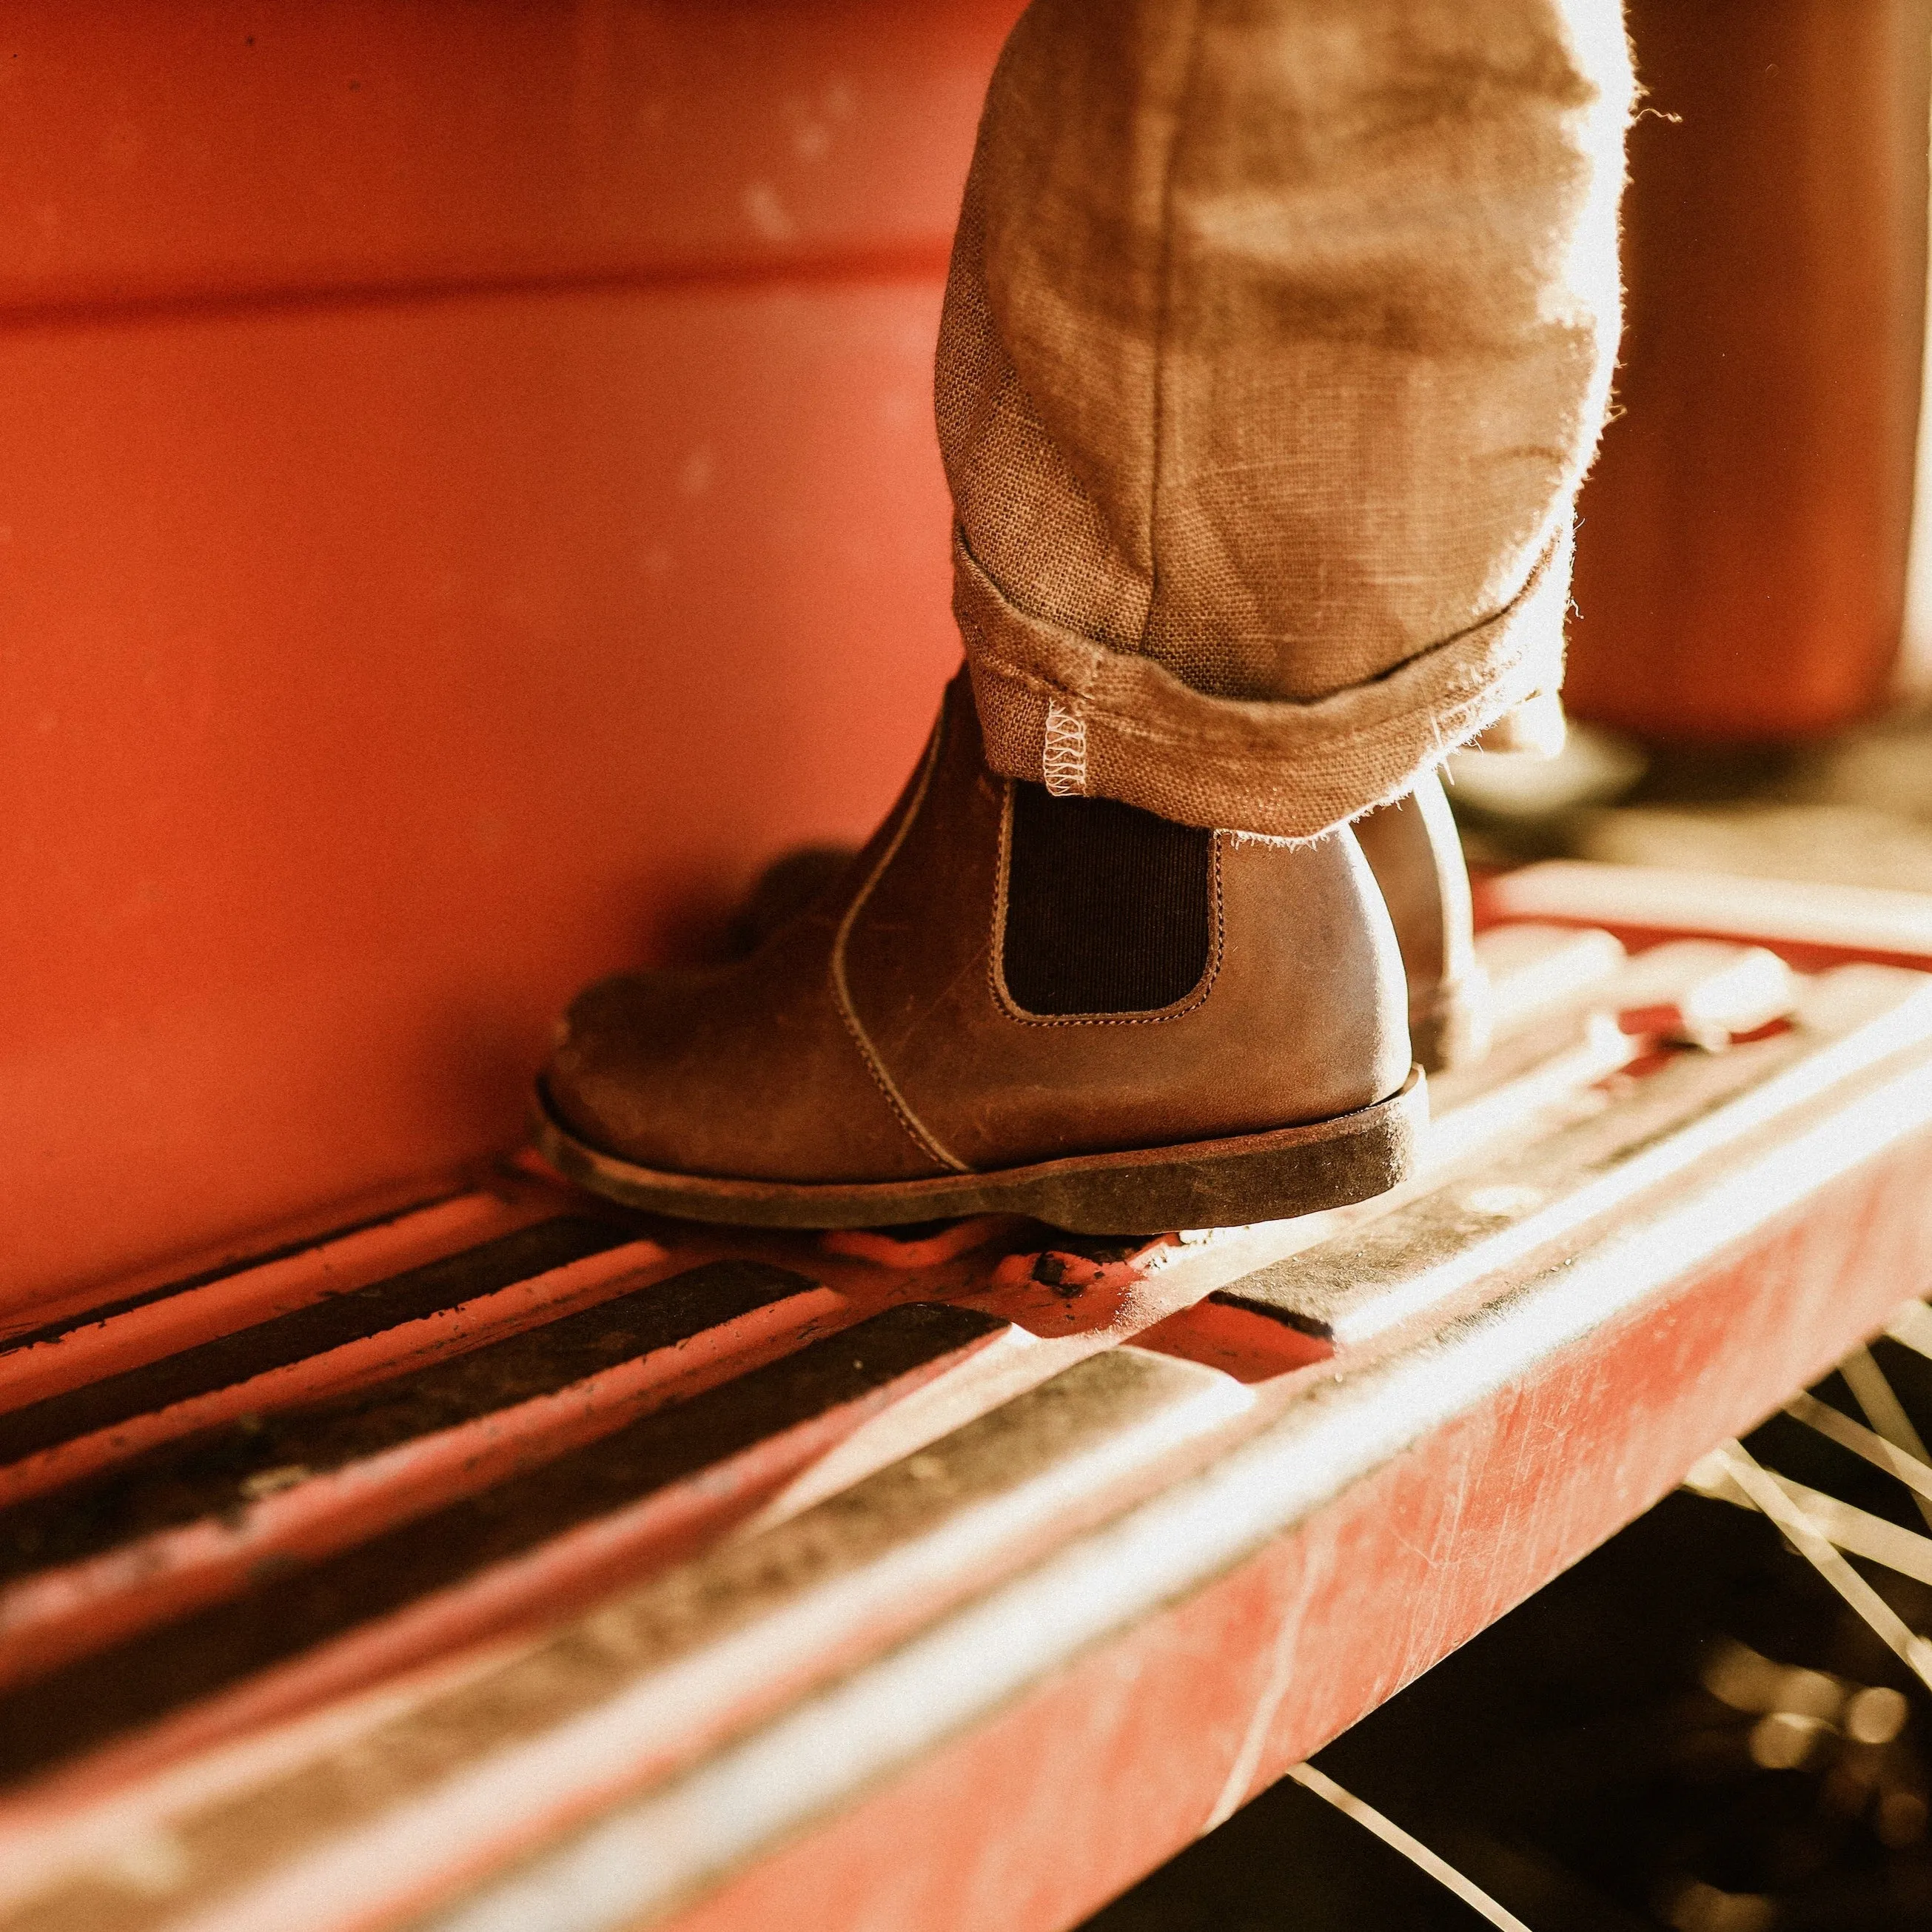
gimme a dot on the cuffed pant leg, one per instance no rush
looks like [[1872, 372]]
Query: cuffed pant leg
[[1277, 340]]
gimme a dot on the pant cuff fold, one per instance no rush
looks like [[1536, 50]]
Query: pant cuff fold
[[1058, 709]]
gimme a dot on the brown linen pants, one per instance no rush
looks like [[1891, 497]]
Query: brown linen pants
[[1278, 337]]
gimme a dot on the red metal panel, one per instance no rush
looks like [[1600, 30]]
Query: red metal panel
[[1594, 1276], [1122, 1758], [366, 716], [162, 151], [1741, 549], [59, 1352], [468, 496]]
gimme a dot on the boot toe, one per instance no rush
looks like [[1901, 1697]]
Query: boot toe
[[600, 1080], [741, 1071]]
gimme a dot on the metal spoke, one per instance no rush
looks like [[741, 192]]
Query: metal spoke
[[1419, 1855], [1856, 1531], [1811, 1542], [1885, 1413], [1861, 1441]]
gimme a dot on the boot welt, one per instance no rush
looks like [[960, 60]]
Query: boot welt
[[1220, 1183]]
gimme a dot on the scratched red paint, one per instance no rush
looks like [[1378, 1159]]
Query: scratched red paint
[[50, 1618], [414, 1344], [92, 1350], [543, 1586], [1118, 1761]]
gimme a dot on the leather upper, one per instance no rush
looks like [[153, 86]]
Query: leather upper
[[872, 1037]]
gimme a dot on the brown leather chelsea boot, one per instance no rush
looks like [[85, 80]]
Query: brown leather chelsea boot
[[1013, 1002], [1412, 848], [1416, 856]]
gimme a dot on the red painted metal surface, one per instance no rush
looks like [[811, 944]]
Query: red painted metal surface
[[270, 1512], [403, 1348], [1810, 926], [1120, 1586], [62, 1613], [439, 569], [47, 1352], [1125, 1756], [341, 777], [517, 1596], [1742, 539], [469, 496], [169, 154]]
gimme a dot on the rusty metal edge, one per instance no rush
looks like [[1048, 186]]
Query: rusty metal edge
[[672, 1857]]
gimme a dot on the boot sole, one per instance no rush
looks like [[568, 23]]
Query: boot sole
[[1222, 1183]]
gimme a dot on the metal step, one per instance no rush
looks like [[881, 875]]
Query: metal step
[[518, 1562]]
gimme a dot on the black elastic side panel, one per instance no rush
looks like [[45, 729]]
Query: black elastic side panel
[[1108, 908]]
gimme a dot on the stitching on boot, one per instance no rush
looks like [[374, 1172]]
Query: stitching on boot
[[996, 978], [841, 991], [1063, 758]]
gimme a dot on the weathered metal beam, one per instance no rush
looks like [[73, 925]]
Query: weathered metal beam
[[802, 1593]]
